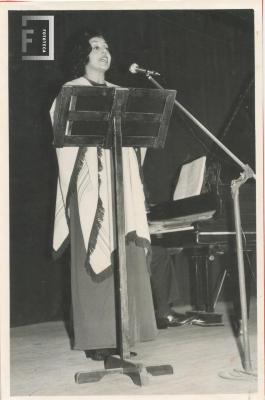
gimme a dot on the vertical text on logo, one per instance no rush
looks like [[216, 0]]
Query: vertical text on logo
[[37, 37]]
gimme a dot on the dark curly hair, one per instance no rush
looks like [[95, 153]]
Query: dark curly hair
[[81, 48]]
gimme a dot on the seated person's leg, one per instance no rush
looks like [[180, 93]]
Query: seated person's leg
[[164, 287]]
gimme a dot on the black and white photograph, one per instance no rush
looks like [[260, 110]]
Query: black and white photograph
[[133, 161]]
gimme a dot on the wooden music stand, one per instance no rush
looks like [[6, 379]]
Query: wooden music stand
[[113, 118]]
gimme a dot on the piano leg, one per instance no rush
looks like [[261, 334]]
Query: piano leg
[[201, 288], [229, 271], [207, 271], [196, 282]]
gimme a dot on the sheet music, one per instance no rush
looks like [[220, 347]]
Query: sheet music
[[190, 179]]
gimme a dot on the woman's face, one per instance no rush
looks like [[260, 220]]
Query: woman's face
[[99, 57]]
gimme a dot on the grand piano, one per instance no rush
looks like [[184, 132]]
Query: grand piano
[[203, 227]]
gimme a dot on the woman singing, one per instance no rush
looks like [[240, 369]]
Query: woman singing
[[84, 215]]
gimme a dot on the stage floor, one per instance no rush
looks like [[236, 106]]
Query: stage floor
[[43, 364]]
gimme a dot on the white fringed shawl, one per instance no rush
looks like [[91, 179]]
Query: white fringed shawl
[[90, 169]]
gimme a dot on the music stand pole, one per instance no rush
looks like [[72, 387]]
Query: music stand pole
[[235, 185]]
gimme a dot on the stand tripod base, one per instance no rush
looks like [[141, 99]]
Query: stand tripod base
[[116, 365], [239, 375]]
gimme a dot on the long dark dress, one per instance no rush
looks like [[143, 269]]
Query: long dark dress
[[93, 300]]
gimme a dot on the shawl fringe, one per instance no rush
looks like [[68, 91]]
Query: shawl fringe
[[56, 254], [130, 237], [72, 185], [100, 211], [102, 275]]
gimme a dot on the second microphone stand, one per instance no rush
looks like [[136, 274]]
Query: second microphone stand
[[235, 186]]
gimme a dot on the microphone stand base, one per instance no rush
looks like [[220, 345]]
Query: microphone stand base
[[239, 375]]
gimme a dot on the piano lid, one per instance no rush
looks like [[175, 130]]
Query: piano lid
[[238, 133]]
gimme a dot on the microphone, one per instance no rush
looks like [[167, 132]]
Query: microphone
[[134, 69]]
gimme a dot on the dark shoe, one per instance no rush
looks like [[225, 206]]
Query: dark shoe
[[173, 319], [162, 323], [100, 354], [180, 319]]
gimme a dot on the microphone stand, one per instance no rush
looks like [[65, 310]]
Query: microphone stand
[[235, 186]]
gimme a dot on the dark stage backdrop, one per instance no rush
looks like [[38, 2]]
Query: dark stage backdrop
[[207, 56]]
